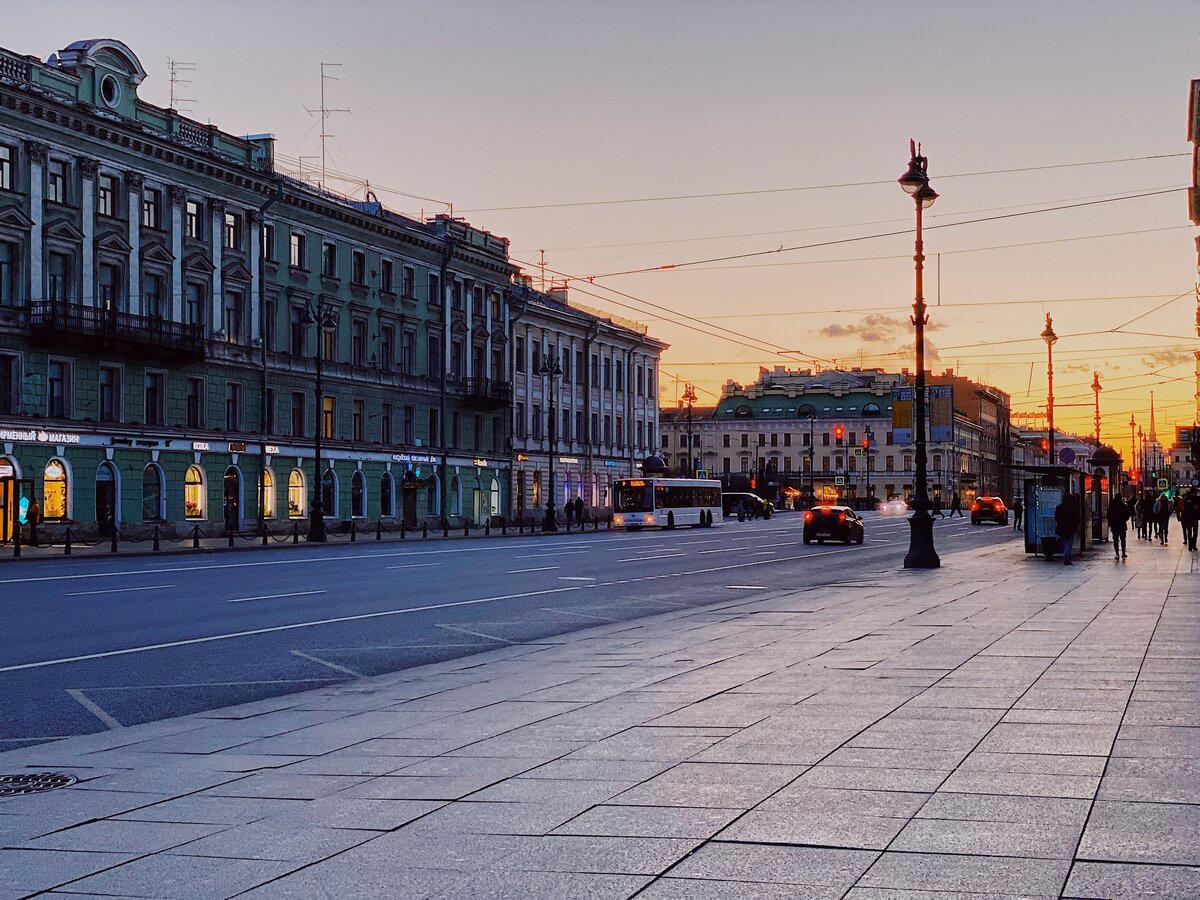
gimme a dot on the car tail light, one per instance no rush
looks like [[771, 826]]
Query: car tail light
[[841, 517], [975, 506], [808, 516]]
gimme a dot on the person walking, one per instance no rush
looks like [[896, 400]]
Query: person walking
[[1066, 523], [579, 510], [1018, 509], [1162, 517], [1145, 515], [956, 505], [34, 517], [1189, 518], [1118, 523], [937, 507], [569, 512]]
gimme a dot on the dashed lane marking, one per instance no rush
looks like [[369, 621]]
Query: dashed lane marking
[[274, 596], [326, 663], [149, 587], [535, 569]]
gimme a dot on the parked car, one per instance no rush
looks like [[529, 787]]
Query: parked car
[[893, 506], [834, 523], [989, 509], [731, 501]]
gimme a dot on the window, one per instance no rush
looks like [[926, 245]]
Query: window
[[110, 394], [328, 416], [329, 343], [477, 301], [595, 380], [106, 195], [193, 220], [233, 231], [478, 445], [457, 294], [908, 462], [152, 493], [387, 347], [268, 494], [9, 263], [580, 428], [496, 308], [54, 490], [297, 494], [270, 335], [787, 439], [457, 352], [195, 403], [387, 276], [410, 425], [233, 317], [193, 493], [594, 434], [296, 331], [296, 248], [111, 294], [608, 373], [724, 440], [387, 495], [455, 429], [608, 430], [358, 495], [385, 424], [7, 155], [519, 354], [58, 277], [233, 406], [268, 242], [619, 382], [456, 496], [620, 431], [8, 383], [435, 289], [359, 420], [434, 433], [434, 354], [195, 303], [889, 464], [774, 440], [56, 181], [745, 440], [329, 267], [153, 302], [408, 352], [151, 208], [519, 425], [496, 432], [825, 439], [566, 365], [408, 282], [565, 435], [58, 389], [358, 267], [154, 392], [298, 413], [535, 428], [358, 342]]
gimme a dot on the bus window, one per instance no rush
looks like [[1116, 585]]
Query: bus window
[[632, 496]]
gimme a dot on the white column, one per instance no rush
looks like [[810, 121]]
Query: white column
[[135, 183], [178, 200], [88, 168], [217, 234], [254, 236], [37, 165]]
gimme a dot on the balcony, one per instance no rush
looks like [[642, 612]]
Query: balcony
[[54, 323], [486, 393]]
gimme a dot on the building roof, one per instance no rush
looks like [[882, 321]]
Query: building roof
[[861, 404]]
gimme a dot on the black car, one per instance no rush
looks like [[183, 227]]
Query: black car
[[989, 509], [834, 523]]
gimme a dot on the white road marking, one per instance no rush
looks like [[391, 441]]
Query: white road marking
[[478, 634], [327, 663], [763, 553], [571, 612], [723, 550], [536, 569], [550, 553], [111, 723], [152, 587], [274, 596], [746, 587], [575, 578], [645, 558], [104, 654], [413, 566]]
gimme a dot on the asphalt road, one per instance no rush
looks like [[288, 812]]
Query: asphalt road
[[98, 644]]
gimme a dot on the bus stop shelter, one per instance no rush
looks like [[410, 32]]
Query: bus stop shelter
[[1043, 490]]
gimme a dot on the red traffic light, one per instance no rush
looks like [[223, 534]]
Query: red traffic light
[[838, 432], [753, 483], [1046, 444]]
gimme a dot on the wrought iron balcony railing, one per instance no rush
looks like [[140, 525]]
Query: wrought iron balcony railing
[[487, 392], [95, 327]]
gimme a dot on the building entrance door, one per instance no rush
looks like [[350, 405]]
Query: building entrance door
[[232, 497], [106, 499]]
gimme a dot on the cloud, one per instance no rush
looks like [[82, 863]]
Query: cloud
[[1166, 357], [874, 328]]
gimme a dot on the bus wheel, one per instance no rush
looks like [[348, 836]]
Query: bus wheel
[[670, 520]]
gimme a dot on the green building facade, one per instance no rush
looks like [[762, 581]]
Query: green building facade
[[164, 293]]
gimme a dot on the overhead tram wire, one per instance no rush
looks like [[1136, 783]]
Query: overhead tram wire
[[812, 187]]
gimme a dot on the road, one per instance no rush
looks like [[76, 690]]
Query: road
[[102, 644]]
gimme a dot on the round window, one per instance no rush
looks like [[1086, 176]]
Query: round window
[[110, 90]]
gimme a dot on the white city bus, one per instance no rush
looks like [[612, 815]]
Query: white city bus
[[666, 502]]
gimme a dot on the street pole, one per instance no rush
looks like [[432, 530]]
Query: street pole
[[921, 552], [689, 396], [316, 525], [812, 462], [550, 369], [1096, 390], [1050, 338], [1133, 457], [263, 324], [867, 454]]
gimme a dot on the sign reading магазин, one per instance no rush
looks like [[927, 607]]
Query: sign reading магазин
[[38, 436]]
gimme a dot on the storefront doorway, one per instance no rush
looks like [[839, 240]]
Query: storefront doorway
[[106, 499], [232, 499]]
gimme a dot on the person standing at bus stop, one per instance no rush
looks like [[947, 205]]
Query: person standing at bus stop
[[1118, 523], [34, 517], [1018, 509], [1189, 518], [1066, 523]]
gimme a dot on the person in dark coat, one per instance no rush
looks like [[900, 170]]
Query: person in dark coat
[[1066, 523], [956, 505], [34, 517], [1162, 515], [1145, 515], [1189, 518], [1018, 508], [1118, 523]]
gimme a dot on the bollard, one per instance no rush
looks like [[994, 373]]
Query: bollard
[[353, 532], [379, 530], [156, 546], [610, 523], [67, 543], [266, 534], [195, 537], [520, 526], [504, 527], [424, 529], [466, 528], [401, 529], [445, 528], [17, 541], [230, 537], [295, 532], [487, 527], [112, 547]]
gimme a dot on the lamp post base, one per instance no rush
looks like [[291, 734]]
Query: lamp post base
[[316, 529], [550, 523], [921, 554]]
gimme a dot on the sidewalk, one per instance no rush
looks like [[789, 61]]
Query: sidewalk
[[1002, 727]]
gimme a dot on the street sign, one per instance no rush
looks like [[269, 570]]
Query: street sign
[[839, 480], [1066, 456], [702, 473], [1164, 483], [857, 451]]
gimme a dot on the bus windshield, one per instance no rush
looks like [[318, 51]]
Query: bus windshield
[[633, 496]]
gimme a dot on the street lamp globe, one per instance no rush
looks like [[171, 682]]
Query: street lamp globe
[[1048, 335], [925, 195], [914, 179]]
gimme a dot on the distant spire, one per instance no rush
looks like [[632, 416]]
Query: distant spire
[[1153, 436]]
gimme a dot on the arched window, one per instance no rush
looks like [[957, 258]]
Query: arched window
[[871, 410], [55, 490], [108, 513], [456, 496], [387, 496], [268, 497], [536, 497], [495, 498], [152, 493], [193, 493], [329, 494], [433, 497], [297, 495], [806, 411], [358, 495]]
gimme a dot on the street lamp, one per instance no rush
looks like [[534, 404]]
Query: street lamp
[[812, 462], [325, 318], [551, 368], [1096, 390], [1133, 457], [867, 453], [1050, 338], [921, 553], [689, 397]]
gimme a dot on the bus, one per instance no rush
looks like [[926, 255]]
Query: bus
[[666, 502]]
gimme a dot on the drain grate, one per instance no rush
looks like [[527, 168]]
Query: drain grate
[[33, 783]]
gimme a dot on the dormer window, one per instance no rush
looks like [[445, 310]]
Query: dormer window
[[110, 91]]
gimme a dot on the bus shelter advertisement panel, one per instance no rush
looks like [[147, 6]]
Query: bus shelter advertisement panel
[[902, 415]]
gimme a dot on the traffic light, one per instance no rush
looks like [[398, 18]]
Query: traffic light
[[753, 484], [838, 431], [1046, 445]]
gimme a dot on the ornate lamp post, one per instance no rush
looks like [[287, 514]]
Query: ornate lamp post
[[689, 397], [1050, 338], [1133, 457], [1096, 390], [921, 552], [870, 436], [325, 318], [812, 462], [551, 368]]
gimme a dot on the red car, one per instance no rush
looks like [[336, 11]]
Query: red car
[[989, 509]]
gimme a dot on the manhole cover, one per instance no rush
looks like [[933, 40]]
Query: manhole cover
[[33, 783]]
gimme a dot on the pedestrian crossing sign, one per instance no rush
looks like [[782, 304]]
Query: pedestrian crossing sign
[[839, 480], [1164, 484], [702, 473]]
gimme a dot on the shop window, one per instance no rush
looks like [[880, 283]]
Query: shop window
[[268, 497], [455, 496], [296, 495], [387, 495], [358, 495], [193, 493], [152, 493], [329, 494], [55, 489]]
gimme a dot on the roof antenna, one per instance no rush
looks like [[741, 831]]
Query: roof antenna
[[324, 112], [175, 67]]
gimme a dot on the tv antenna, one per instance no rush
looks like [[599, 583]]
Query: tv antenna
[[176, 67], [325, 112]]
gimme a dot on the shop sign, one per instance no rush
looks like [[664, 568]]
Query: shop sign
[[480, 463], [521, 457], [200, 445], [237, 447], [569, 460], [412, 458], [6, 470], [272, 449], [41, 437], [609, 462]]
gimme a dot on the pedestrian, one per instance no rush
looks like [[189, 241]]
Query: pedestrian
[[1145, 515], [1118, 522], [1066, 523], [33, 516], [956, 505], [579, 510], [569, 511], [1162, 517], [937, 506], [1189, 518], [1018, 509]]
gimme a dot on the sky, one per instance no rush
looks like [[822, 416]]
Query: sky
[[799, 113]]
